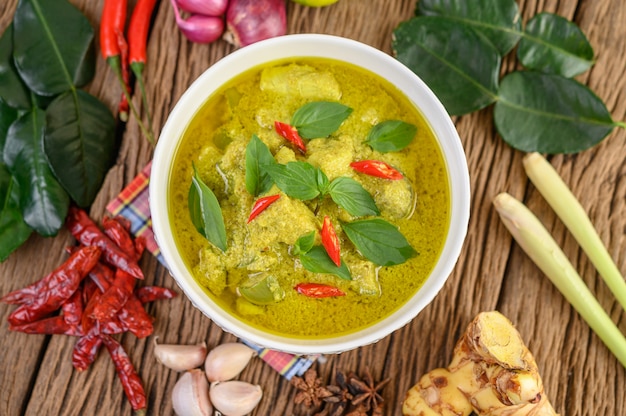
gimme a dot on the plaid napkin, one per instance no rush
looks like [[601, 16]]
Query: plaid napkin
[[133, 204]]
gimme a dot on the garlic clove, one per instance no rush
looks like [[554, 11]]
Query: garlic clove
[[235, 398], [180, 357], [227, 360], [190, 395]]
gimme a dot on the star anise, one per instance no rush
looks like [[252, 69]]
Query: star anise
[[366, 392], [311, 392], [340, 396]]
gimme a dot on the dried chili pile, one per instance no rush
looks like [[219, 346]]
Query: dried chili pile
[[92, 296]]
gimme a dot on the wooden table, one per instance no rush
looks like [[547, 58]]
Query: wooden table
[[581, 376]]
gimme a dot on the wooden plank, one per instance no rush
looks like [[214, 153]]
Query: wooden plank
[[580, 375]]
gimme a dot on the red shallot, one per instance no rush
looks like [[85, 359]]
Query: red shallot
[[249, 21], [205, 7], [199, 28]]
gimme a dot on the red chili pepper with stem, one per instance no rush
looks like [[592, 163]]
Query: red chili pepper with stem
[[85, 230], [261, 205], [291, 134], [128, 375], [318, 290], [112, 40], [377, 168], [330, 241], [137, 39]]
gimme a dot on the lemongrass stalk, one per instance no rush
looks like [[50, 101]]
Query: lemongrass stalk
[[539, 245], [568, 209]]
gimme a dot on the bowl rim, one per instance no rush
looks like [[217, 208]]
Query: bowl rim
[[323, 46]]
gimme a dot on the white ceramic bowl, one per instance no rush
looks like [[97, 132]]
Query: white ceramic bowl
[[311, 45]]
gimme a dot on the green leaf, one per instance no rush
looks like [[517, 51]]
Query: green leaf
[[461, 66], [258, 180], [43, 200], [323, 183], [499, 21], [7, 116], [316, 260], [80, 143], [55, 49], [554, 45], [304, 243], [379, 241], [550, 114], [12, 89], [391, 136], [351, 196], [319, 118], [262, 291], [296, 179], [206, 213], [13, 230]]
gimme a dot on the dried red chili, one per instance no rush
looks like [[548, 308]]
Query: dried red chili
[[330, 241], [59, 287], [318, 290], [377, 168], [49, 326], [118, 233], [85, 230], [290, 134], [147, 294], [114, 297], [261, 204], [126, 372], [85, 351]]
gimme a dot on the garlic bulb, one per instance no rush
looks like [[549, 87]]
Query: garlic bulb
[[180, 357], [190, 396], [226, 361], [235, 398]]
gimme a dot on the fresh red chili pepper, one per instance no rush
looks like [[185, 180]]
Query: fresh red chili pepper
[[88, 233], [377, 168], [59, 287], [318, 290], [85, 351], [291, 134], [112, 24], [330, 241], [137, 39], [126, 372], [261, 204], [147, 294], [49, 326]]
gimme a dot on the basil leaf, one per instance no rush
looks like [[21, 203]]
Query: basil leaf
[[322, 182], [296, 179], [43, 200], [550, 114], [12, 89], [258, 155], [499, 21], [13, 230], [206, 213], [391, 136], [554, 45], [304, 243], [316, 260], [80, 143], [55, 50], [319, 118], [379, 241], [351, 196], [461, 66]]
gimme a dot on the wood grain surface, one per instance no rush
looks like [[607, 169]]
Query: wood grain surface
[[581, 376]]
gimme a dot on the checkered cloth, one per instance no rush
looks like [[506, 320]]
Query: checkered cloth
[[133, 204]]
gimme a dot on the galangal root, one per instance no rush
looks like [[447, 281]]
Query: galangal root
[[492, 373]]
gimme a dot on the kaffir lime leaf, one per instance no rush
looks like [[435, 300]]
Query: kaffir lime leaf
[[263, 291]]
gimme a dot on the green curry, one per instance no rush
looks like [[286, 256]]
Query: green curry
[[232, 147]]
